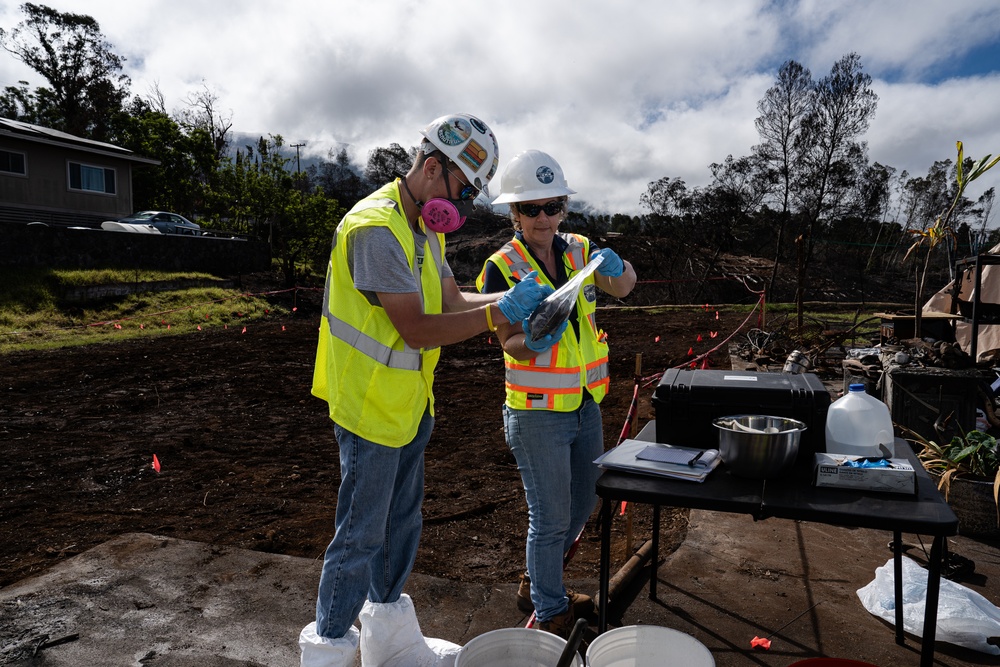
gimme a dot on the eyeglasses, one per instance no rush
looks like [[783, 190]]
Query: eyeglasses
[[551, 208], [468, 191]]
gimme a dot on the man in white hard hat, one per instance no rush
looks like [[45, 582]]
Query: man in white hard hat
[[391, 302], [555, 383]]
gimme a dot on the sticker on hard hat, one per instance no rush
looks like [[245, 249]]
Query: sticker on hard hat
[[473, 155], [478, 124], [545, 175], [454, 131]]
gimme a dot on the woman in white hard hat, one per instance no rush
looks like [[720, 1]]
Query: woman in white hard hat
[[555, 383]]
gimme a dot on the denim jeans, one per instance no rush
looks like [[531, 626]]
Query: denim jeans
[[555, 454], [378, 527]]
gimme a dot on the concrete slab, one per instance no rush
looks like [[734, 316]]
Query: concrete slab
[[142, 599], [795, 583]]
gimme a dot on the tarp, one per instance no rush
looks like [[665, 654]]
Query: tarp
[[988, 338]]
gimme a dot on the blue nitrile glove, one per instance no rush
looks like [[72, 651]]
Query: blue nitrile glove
[[612, 265], [546, 341], [521, 300]]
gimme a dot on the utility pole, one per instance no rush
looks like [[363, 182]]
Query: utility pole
[[298, 167]]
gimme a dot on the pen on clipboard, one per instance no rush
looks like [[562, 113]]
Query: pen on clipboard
[[695, 458]]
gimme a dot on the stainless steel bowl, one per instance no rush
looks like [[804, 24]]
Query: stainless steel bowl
[[758, 446]]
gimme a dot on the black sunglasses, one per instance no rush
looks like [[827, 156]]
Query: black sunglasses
[[468, 191], [532, 210]]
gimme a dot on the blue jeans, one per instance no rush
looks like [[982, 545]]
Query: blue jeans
[[378, 527], [555, 454]]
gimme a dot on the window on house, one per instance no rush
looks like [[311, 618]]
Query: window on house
[[91, 179], [12, 163]]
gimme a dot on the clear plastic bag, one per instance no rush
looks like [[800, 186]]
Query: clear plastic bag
[[964, 617], [557, 307]]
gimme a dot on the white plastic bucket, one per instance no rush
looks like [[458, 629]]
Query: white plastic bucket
[[514, 647], [647, 646]]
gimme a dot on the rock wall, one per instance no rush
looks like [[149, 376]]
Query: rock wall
[[78, 248]]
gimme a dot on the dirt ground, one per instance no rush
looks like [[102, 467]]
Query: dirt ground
[[247, 455]]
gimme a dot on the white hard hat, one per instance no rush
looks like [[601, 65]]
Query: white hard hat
[[469, 143], [532, 175]]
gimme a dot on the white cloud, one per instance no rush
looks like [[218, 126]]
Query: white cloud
[[917, 124], [621, 93]]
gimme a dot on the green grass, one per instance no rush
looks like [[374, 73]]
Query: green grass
[[34, 314]]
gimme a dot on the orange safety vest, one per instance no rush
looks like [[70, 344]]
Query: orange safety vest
[[554, 380]]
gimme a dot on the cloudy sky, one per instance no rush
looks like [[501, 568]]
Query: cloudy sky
[[620, 92]]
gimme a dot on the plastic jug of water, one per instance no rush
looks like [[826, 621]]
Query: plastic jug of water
[[857, 423]]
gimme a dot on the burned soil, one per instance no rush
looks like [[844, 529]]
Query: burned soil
[[248, 458]]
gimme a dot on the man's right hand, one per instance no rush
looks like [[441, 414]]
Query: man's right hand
[[521, 300]]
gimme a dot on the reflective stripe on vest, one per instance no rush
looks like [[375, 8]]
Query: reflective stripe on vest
[[366, 204], [597, 373], [516, 261], [407, 359]]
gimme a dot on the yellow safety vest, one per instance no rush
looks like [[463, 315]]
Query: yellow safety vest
[[554, 380], [375, 385]]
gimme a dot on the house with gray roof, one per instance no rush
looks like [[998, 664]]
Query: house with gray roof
[[63, 180]]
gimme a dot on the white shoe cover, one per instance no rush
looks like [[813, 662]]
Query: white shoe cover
[[391, 637], [322, 652]]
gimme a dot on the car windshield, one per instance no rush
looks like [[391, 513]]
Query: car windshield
[[143, 215]]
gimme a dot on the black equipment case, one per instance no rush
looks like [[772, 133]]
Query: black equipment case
[[686, 402]]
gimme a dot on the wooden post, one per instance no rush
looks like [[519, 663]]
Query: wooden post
[[801, 287]]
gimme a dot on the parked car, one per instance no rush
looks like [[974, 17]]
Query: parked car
[[167, 223]]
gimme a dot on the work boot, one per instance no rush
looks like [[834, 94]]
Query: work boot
[[583, 605], [561, 625]]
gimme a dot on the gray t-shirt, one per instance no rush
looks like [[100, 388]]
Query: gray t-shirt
[[378, 264]]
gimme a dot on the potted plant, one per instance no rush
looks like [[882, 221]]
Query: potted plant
[[968, 474]]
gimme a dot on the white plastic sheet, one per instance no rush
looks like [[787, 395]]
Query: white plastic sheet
[[964, 617]]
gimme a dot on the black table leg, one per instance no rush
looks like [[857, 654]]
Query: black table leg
[[602, 606], [897, 578], [933, 592], [656, 552]]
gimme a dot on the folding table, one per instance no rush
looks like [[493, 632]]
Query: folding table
[[792, 496]]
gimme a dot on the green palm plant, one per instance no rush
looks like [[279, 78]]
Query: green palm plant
[[934, 235]]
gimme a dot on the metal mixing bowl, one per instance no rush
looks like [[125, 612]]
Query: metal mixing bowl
[[758, 446]]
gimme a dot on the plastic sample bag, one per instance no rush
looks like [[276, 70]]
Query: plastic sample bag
[[964, 617], [557, 307]]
